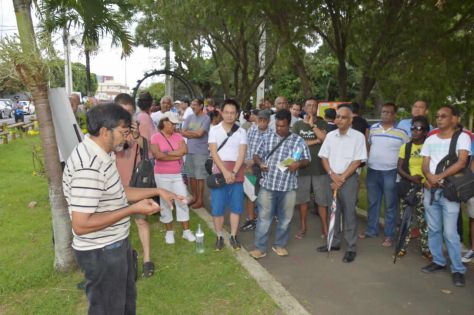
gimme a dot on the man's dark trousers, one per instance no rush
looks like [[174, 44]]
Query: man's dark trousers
[[110, 279], [346, 205]]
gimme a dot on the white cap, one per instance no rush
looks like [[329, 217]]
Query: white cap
[[172, 117]]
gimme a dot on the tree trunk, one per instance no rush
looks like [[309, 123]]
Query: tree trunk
[[298, 63], [64, 258], [367, 83], [87, 53], [342, 77]]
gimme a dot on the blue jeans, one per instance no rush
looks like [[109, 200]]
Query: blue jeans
[[382, 184], [442, 218], [274, 203], [110, 278]]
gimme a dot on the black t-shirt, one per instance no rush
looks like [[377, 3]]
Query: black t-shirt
[[360, 124]]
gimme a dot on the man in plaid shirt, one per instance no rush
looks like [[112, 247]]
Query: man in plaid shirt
[[278, 186], [254, 138]]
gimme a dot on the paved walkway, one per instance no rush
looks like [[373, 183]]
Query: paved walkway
[[372, 284]]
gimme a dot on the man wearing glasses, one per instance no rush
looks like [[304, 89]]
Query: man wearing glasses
[[343, 150], [100, 213], [442, 214]]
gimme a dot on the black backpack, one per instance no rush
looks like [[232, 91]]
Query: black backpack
[[458, 187], [143, 175]]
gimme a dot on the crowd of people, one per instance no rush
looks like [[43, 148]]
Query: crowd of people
[[270, 161]]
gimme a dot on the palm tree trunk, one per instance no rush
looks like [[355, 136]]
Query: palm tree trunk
[[87, 52], [38, 86]]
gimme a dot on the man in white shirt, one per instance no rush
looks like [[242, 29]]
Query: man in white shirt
[[165, 105], [342, 152], [228, 161], [441, 213], [187, 109]]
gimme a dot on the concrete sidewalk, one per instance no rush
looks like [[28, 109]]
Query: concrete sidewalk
[[372, 284]]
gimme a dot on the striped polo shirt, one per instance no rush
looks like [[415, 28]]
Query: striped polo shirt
[[91, 184], [385, 146]]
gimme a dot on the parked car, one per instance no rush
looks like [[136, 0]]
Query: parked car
[[5, 109], [28, 107]]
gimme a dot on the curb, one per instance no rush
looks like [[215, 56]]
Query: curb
[[285, 301]]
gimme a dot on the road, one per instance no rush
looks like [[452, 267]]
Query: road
[[12, 120]]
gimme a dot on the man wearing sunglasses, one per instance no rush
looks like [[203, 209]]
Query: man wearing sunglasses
[[442, 214]]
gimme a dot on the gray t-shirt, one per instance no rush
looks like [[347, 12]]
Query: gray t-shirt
[[193, 123]]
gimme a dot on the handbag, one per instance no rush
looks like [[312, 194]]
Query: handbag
[[458, 187], [143, 173], [215, 180], [209, 162]]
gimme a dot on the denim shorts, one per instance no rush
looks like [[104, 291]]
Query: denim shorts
[[229, 196]]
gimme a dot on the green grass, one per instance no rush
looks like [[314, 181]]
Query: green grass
[[184, 283]]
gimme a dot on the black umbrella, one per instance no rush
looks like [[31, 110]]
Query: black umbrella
[[404, 228], [410, 200]]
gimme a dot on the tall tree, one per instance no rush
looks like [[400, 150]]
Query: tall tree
[[31, 69], [94, 19], [233, 39]]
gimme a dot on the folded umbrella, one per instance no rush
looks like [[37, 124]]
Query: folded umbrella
[[332, 219]]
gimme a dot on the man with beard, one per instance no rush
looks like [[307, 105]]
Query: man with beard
[[100, 213]]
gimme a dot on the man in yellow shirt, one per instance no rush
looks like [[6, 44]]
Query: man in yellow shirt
[[411, 171]]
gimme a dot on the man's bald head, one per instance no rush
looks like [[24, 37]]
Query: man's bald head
[[281, 103], [343, 118]]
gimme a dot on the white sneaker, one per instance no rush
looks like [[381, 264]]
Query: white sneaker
[[468, 256], [169, 237], [187, 234]]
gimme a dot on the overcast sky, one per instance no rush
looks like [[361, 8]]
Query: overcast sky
[[106, 62]]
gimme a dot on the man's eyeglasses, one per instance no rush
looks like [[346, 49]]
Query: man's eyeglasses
[[418, 128], [125, 133], [443, 116], [342, 117]]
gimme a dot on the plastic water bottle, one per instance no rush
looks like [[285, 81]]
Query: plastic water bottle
[[199, 240], [297, 154]]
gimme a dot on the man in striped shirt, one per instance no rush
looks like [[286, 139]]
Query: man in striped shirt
[[100, 214], [385, 141]]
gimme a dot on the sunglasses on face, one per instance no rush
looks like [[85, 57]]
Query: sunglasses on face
[[418, 128], [442, 116]]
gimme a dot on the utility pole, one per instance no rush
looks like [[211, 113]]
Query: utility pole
[[261, 56], [67, 62], [168, 79]]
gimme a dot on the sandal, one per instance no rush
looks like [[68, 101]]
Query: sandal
[[300, 234], [148, 269], [387, 242]]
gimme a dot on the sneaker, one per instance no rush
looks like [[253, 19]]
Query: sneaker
[[432, 267], [458, 279], [468, 256], [257, 254], [280, 251], [234, 242], [249, 225], [188, 235], [169, 237], [219, 243]]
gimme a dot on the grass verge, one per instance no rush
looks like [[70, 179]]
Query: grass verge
[[184, 282]]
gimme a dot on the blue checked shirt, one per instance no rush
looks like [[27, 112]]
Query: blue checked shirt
[[275, 179], [254, 138]]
